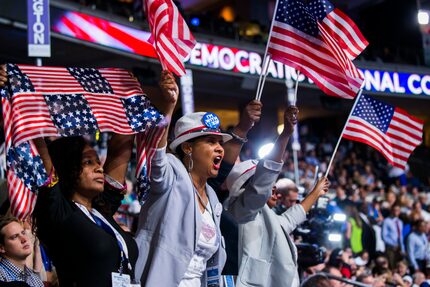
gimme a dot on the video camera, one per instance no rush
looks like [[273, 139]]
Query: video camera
[[321, 230]]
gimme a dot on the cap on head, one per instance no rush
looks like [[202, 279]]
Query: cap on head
[[196, 125], [240, 173]]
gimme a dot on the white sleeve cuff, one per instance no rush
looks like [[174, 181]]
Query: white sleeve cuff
[[273, 165], [160, 154]]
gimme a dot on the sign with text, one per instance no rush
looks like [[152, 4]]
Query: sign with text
[[223, 58], [39, 42]]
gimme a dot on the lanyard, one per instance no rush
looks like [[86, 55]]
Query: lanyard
[[98, 219]]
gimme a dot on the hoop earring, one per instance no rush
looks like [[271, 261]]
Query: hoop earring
[[190, 162]]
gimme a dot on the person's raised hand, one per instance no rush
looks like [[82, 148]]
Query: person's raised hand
[[322, 186], [169, 91], [290, 120], [250, 115], [3, 76]]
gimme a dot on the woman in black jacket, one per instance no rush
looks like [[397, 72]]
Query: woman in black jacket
[[73, 217]]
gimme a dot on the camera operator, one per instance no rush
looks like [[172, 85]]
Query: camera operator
[[267, 255]]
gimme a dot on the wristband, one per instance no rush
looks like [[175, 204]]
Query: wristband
[[122, 188], [52, 179], [238, 138]]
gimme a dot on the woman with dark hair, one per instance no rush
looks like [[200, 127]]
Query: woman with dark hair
[[73, 218], [179, 237]]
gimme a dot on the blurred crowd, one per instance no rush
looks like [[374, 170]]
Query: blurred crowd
[[386, 231]]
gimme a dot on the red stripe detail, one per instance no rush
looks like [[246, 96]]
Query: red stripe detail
[[415, 119], [249, 169], [353, 26], [320, 81], [194, 130], [381, 140]]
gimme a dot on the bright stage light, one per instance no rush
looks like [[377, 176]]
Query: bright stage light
[[423, 17], [265, 150], [335, 237]]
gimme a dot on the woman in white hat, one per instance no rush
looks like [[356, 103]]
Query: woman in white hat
[[179, 238]]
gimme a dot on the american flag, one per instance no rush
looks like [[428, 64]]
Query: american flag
[[19, 173], [389, 129], [320, 42], [340, 27], [172, 38], [57, 101]]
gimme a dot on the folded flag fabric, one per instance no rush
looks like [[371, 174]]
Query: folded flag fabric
[[62, 102], [387, 128]]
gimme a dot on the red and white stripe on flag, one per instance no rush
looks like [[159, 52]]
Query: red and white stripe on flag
[[330, 69], [34, 120], [345, 32], [320, 43], [172, 38], [403, 135], [22, 199]]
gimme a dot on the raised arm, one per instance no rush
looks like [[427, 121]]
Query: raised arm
[[44, 154], [320, 189], [290, 120], [3, 76], [162, 174], [118, 156], [296, 214], [246, 206], [250, 115], [170, 92]]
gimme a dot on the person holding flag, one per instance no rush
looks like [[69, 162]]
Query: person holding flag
[[179, 237], [73, 215], [267, 255]]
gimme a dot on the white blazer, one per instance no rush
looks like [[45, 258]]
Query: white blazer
[[267, 255]]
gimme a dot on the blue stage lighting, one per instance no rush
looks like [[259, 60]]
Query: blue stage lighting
[[195, 21]]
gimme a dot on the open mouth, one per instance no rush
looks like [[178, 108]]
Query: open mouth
[[217, 162]]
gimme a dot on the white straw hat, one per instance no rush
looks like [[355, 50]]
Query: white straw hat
[[196, 125], [240, 173]]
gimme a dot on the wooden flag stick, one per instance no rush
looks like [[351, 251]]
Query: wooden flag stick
[[341, 134]]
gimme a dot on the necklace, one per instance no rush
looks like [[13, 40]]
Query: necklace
[[199, 196]]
